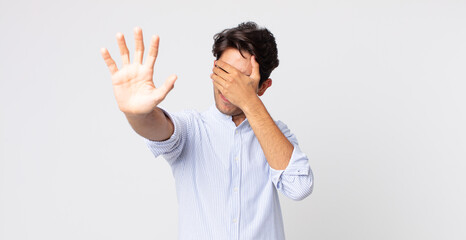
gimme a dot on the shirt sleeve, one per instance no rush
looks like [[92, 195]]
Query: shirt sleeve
[[171, 148], [297, 180]]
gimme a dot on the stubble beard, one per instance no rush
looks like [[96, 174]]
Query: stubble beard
[[226, 108]]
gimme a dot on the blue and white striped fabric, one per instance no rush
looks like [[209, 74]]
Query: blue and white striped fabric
[[225, 187]]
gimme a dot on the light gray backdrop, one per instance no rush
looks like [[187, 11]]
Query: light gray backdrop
[[374, 91]]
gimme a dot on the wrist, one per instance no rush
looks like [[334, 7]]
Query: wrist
[[252, 105], [133, 115]]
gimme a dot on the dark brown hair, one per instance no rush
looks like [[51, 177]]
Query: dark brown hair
[[249, 37]]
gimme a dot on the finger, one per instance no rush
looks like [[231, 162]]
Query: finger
[[123, 48], [218, 86], [153, 51], [256, 75], [221, 73], [168, 86], [225, 66], [109, 61], [139, 51], [217, 79]]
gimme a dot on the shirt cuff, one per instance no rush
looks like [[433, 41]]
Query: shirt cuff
[[298, 166], [161, 147]]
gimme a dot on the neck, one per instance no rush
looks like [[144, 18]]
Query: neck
[[238, 119]]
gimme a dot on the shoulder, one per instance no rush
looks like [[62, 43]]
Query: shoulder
[[281, 125], [186, 115], [286, 131]]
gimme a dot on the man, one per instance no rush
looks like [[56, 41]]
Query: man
[[229, 161]]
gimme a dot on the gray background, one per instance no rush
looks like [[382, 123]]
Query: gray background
[[374, 91]]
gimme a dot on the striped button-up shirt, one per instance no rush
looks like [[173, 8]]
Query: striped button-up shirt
[[225, 186]]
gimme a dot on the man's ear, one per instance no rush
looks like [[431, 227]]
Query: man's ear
[[266, 84]]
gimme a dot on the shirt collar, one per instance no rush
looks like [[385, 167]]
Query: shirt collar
[[213, 109], [217, 114]]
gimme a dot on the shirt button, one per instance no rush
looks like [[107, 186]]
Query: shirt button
[[235, 220], [236, 159], [236, 189], [236, 131]]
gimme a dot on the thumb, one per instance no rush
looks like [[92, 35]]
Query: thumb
[[255, 69], [168, 85]]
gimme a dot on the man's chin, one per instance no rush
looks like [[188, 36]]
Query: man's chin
[[228, 109]]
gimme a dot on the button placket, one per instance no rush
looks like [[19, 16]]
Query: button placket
[[236, 178]]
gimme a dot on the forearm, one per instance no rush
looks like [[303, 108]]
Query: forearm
[[155, 126], [275, 145]]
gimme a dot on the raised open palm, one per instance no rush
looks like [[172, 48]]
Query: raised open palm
[[133, 83]]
